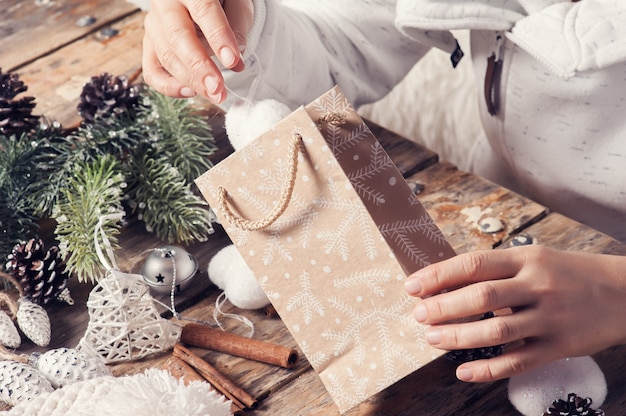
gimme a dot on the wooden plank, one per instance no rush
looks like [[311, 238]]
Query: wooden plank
[[257, 378], [56, 81], [431, 391], [563, 233], [408, 156], [31, 29], [453, 197]]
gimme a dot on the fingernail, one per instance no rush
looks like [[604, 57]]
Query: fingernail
[[211, 84], [217, 98], [227, 57], [420, 313], [413, 285], [433, 336], [464, 374], [187, 92]]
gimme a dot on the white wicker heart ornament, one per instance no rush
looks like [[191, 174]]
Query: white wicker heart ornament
[[124, 324]]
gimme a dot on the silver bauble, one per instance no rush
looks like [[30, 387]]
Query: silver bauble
[[163, 263]]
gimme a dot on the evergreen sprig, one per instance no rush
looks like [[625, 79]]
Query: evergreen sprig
[[17, 220], [164, 201], [160, 143], [180, 134], [93, 194]]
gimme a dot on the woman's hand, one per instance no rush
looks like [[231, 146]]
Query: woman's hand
[[182, 35], [563, 304]]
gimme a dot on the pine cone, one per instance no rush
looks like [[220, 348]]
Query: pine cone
[[105, 96], [15, 115], [9, 336], [63, 366], [473, 354], [20, 382], [41, 273], [34, 322], [573, 406]]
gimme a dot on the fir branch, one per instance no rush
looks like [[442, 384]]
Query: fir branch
[[93, 190], [53, 159], [180, 133], [164, 201], [17, 221], [115, 135]]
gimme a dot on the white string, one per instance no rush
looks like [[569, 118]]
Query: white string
[[221, 299], [172, 308], [255, 82], [107, 244]]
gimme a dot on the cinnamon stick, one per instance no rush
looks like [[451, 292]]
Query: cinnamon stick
[[236, 394], [181, 370], [204, 336]]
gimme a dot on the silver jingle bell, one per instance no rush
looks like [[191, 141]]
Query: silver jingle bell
[[169, 265]]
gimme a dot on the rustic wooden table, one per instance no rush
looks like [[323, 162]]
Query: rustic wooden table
[[55, 56]]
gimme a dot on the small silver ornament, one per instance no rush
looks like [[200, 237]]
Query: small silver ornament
[[63, 366], [34, 322], [169, 265], [20, 382], [9, 336]]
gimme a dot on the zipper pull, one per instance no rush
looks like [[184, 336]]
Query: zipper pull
[[492, 77]]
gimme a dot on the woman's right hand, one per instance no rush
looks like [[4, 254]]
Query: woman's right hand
[[180, 38]]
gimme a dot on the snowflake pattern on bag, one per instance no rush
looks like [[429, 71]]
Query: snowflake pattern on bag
[[334, 263]]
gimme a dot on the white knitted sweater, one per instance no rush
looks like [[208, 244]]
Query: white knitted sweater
[[559, 134]]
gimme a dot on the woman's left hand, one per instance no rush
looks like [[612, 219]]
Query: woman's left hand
[[563, 304]]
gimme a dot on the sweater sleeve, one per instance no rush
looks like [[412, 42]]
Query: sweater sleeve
[[298, 49], [570, 37]]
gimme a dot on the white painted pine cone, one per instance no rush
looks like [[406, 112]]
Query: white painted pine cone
[[63, 366], [34, 322], [9, 336], [20, 382]]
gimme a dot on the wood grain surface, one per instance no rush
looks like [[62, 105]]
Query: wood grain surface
[[55, 56]]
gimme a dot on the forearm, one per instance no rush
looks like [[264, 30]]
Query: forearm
[[304, 48]]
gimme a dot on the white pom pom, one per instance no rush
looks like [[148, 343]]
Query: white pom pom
[[533, 392], [228, 271], [246, 121]]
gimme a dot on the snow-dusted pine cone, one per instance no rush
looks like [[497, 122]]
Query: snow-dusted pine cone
[[63, 366], [15, 115], [9, 336], [20, 382], [106, 95], [40, 272], [34, 322]]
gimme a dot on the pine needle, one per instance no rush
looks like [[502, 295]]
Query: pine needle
[[95, 189]]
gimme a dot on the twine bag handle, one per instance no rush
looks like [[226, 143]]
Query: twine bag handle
[[285, 197]]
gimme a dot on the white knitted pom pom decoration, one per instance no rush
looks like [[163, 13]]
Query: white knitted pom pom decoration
[[151, 393], [245, 121], [533, 392], [228, 271]]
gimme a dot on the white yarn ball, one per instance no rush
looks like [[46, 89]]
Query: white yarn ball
[[533, 392], [245, 121], [228, 271]]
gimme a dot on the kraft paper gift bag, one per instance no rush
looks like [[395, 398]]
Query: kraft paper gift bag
[[331, 229]]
